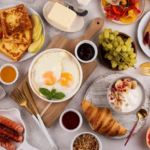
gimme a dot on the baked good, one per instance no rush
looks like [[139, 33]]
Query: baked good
[[23, 36], [15, 19], [13, 50], [102, 120]]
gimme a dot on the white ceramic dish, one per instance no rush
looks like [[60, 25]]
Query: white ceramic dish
[[141, 7], [80, 118], [69, 95], [6, 65], [99, 141], [27, 55], [88, 42], [140, 33], [15, 115], [143, 96], [76, 26]]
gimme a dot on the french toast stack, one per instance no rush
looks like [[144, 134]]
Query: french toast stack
[[16, 27]]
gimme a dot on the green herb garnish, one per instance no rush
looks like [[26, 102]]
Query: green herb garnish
[[108, 4], [52, 94]]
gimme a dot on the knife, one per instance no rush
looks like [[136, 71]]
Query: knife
[[78, 11], [30, 99]]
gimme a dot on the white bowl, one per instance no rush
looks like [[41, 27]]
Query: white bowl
[[5, 65], [80, 120], [88, 42], [69, 95], [99, 141]]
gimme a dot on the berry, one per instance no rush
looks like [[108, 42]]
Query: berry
[[111, 98], [112, 89], [119, 99], [129, 80], [124, 90], [118, 89], [124, 83], [123, 86], [119, 86], [113, 86], [122, 79], [132, 88]]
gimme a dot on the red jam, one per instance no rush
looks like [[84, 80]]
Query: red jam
[[70, 120]]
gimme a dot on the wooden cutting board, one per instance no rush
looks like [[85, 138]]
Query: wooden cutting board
[[51, 111]]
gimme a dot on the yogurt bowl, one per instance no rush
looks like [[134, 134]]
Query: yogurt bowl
[[126, 95]]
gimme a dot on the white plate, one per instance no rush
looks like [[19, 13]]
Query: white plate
[[27, 55], [76, 26], [67, 96], [14, 114], [142, 26]]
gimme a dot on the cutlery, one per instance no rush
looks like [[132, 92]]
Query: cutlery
[[22, 101], [78, 11], [29, 97], [142, 113]]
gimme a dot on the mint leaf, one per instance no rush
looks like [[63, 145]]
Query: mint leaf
[[49, 97], [59, 95], [53, 91], [44, 91]]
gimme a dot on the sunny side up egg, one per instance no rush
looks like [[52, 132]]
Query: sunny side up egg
[[56, 70]]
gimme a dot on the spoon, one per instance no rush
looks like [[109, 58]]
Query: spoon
[[142, 113]]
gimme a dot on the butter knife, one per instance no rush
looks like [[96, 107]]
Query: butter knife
[[29, 97]]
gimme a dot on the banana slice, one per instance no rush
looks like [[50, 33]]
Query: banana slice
[[128, 84], [118, 84], [126, 90], [133, 84]]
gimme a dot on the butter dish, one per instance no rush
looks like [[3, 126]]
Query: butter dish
[[2, 93], [76, 25]]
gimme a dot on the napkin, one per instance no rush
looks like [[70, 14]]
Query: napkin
[[2, 92]]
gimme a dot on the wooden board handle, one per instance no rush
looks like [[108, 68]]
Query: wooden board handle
[[96, 25]]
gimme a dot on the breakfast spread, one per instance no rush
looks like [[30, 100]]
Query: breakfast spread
[[86, 141], [10, 130], [56, 75], [61, 73], [102, 120], [126, 95], [62, 16], [118, 50], [125, 11]]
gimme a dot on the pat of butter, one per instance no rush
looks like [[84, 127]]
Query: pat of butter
[[62, 16]]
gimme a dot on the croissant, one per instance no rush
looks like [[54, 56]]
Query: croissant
[[102, 120]]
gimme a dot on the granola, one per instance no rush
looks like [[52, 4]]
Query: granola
[[86, 142]]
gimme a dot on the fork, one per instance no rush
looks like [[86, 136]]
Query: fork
[[22, 101], [144, 70]]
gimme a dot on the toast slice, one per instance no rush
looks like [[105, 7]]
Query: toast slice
[[13, 50], [15, 19], [18, 37]]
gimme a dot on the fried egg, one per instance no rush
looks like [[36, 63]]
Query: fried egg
[[56, 70], [70, 76]]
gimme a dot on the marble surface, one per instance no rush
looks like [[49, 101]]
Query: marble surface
[[63, 139]]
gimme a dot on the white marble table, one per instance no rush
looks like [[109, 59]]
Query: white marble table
[[63, 139]]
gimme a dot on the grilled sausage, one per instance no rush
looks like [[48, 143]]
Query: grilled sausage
[[11, 124], [7, 144], [11, 135]]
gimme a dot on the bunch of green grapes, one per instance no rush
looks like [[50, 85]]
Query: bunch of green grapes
[[118, 50]]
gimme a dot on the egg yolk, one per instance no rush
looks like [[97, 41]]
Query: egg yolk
[[49, 78], [66, 79]]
